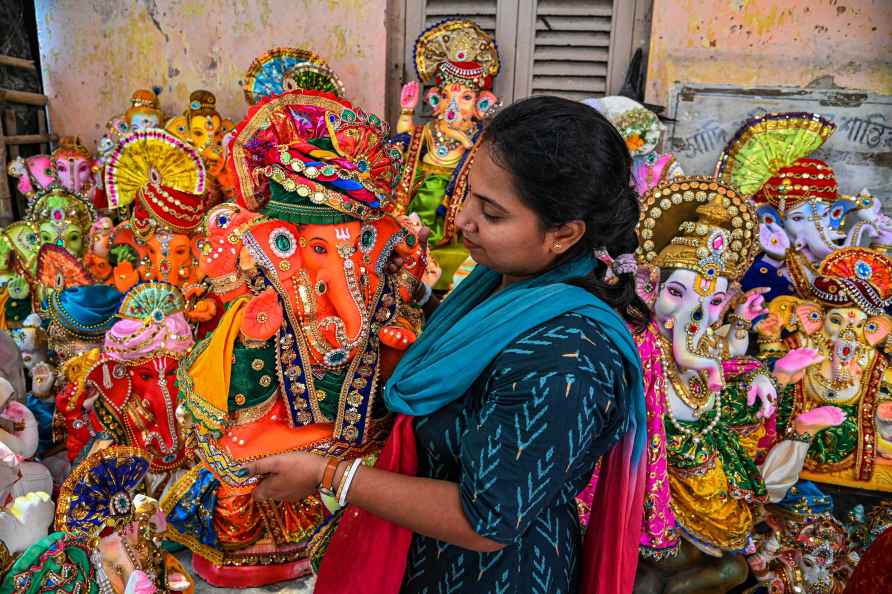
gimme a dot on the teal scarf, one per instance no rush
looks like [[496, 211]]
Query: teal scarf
[[470, 328]]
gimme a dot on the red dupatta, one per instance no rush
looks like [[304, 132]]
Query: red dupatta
[[368, 554]]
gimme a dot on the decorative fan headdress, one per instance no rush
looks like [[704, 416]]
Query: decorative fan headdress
[[57, 269], [855, 277], [165, 178], [766, 160], [98, 494], [24, 238], [457, 50], [700, 224], [152, 301], [286, 69], [152, 324], [311, 157], [152, 157]]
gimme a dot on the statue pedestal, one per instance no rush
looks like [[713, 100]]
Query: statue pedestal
[[248, 576]]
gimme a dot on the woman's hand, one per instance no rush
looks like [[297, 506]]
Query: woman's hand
[[287, 477]]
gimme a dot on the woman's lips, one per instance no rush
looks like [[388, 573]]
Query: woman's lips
[[469, 244]]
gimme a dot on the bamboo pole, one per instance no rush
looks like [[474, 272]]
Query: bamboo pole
[[10, 127], [18, 63], [23, 97], [42, 130], [5, 195], [31, 138]]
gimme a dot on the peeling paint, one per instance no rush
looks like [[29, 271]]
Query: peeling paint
[[95, 54], [763, 43]]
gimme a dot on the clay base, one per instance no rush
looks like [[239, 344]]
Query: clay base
[[248, 576]]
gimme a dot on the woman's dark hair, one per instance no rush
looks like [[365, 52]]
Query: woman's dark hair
[[569, 163]]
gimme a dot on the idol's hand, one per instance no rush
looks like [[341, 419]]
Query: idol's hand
[[287, 477], [395, 263], [409, 95], [753, 304]]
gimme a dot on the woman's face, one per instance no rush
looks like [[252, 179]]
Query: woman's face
[[499, 230]]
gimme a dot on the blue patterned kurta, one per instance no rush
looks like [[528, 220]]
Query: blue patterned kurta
[[521, 444]]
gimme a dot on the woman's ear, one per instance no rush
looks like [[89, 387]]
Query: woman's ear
[[565, 236]]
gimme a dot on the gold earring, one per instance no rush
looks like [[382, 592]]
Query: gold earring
[[557, 245]]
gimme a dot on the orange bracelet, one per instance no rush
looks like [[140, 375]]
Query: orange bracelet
[[326, 487]]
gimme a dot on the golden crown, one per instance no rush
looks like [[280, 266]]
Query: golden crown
[[700, 224]]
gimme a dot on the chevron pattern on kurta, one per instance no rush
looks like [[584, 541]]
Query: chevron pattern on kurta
[[521, 444]]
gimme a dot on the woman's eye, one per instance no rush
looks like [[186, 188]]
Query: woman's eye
[[490, 217]]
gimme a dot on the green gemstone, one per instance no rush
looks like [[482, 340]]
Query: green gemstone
[[283, 243]]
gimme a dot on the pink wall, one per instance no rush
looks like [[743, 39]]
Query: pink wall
[[770, 42], [95, 54]]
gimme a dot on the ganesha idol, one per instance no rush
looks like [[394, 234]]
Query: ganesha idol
[[79, 319], [163, 180], [460, 60], [844, 319], [107, 536], [806, 549], [56, 217], [202, 126], [803, 216], [134, 379], [15, 302], [707, 401], [315, 322]]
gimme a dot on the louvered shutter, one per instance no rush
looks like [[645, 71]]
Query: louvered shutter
[[572, 48], [497, 17]]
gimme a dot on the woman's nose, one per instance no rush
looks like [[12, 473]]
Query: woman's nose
[[464, 223]]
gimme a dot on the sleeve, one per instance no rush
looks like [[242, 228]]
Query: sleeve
[[548, 414]]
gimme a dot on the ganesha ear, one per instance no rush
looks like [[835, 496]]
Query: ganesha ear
[[111, 379], [263, 317], [876, 329], [647, 283], [433, 98], [810, 316], [839, 210], [486, 101]]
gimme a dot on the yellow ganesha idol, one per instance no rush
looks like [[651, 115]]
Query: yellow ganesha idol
[[847, 323], [460, 60]]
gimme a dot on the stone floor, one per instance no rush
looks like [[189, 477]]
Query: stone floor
[[301, 586]]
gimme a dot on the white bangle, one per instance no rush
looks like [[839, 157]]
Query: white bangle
[[347, 479], [427, 295]]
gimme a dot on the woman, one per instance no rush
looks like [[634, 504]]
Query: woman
[[522, 379]]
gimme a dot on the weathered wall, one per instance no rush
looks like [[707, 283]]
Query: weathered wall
[[764, 43], [94, 53]]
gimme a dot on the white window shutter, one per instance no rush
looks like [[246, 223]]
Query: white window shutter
[[496, 17], [572, 48]]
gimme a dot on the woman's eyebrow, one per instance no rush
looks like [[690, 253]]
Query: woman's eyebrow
[[490, 202]]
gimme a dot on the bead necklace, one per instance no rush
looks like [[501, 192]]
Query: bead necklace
[[694, 392], [696, 436]]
